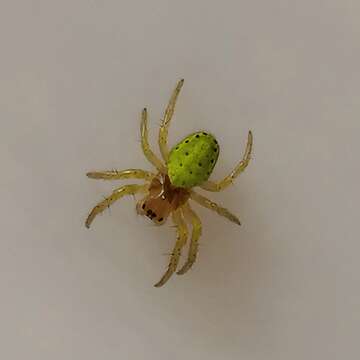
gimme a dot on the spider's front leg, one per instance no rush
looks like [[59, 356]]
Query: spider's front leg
[[194, 243], [221, 185], [116, 195], [163, 132], [182, 232]]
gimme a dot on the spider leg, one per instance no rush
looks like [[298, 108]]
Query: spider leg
[[163, 132], [205, 202], [116, 195], [149, 154], [182, 232], [121, 174], [194, 244], [221, 185]]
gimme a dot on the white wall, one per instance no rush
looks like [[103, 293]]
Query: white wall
[[74, 76]]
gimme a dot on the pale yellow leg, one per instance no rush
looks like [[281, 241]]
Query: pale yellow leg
[[116, 195], [149, 154], [202, 200], [163, 132], [221, 185], [121, 174], [194, 244], [182, 232]]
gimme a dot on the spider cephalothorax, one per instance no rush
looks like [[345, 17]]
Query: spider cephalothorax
[[168, 190], [163, 198]]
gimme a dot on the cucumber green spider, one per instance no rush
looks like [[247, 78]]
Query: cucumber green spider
[[167, 191]]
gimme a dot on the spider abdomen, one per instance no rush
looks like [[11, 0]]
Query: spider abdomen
[[192, 160]]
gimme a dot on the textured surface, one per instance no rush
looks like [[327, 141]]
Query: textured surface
[[74, 77], [192, 160]]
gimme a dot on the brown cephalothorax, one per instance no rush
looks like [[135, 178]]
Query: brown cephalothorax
[[163, 198]]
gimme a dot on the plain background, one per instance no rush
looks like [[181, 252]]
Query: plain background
[[74, 77]]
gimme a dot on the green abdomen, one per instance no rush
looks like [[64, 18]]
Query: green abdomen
[[192, 160]]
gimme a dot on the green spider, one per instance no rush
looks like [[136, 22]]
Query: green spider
[[169, 189]]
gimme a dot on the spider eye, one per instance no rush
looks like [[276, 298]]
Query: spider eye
[[143, 206], [161, 219]]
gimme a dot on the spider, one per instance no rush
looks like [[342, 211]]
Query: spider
[[167, 191]]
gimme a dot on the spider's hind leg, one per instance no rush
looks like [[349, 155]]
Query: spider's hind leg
[[149, 154], [241, 166], [205, 202], [121, 174], [163, 132]]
